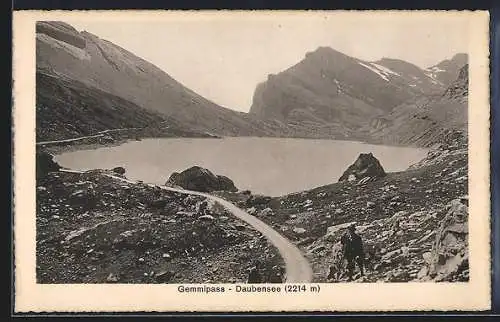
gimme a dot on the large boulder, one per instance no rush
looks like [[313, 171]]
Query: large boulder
[[200, 179], [449, 258], [45, 163], [366, 166], [226, 184], [119, 170]]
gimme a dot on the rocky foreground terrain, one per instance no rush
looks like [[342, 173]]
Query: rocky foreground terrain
[[93, 228], [413, 223]]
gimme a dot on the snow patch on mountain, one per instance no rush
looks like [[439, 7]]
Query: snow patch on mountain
[[380, 70], [385, 69], [375, 70], [436, 69]]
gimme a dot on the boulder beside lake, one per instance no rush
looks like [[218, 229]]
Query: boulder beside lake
[[45, 163], [200, 179], [119, 170], [365, 166]]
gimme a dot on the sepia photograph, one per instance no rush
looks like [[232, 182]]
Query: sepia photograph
[[255, 152]]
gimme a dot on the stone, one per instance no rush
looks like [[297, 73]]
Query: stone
[[112, 278], [364, 180], [299, 230], [450, 247], [164, 276], [427, 257], [226, 184], [206, 217], [240, 227], [45, 164], [334, 229], [200, 179], [267, 212], [119, 170], [366, 165]]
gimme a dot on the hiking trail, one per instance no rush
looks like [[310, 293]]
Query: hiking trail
[[297, 266]]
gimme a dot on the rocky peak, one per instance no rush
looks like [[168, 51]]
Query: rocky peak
[[325, 52], [366, 165], [447, 70], [325, 56], [62, 32], [460, 59], [459, 88]]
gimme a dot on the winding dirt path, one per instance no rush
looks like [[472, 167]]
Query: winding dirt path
[[97, 135], [297, 267]]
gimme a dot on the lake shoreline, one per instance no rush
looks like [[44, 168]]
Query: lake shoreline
[[58, 149], [270, 166], [302, 217]]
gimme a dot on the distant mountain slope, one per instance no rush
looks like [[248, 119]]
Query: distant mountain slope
[[426, 121], [326, 95], [330, 88], [67, 108], [64, 52], [447, 71]]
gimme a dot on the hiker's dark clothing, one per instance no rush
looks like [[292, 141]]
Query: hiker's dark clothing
[[352, 247]]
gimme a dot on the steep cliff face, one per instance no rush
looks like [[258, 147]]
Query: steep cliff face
[[329, 88], [428, 120]]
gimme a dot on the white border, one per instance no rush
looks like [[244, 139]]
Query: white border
[[33, 297]]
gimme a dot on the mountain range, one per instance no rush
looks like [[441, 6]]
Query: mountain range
[[330, 89], [87, 84]]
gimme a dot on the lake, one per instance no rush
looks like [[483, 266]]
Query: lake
[[270, 166]]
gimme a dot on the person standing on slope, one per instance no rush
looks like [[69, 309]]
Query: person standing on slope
[[352, 247]]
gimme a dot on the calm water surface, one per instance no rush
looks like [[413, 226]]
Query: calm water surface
[[263, 165]]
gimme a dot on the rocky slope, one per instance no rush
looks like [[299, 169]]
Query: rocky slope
[[329, 89], [68, 109], [71, 56], [447, 71], [92, 228], [426, 120], [413, 223], [327, 95]]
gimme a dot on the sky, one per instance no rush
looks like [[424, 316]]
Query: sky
[[223, 58]]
